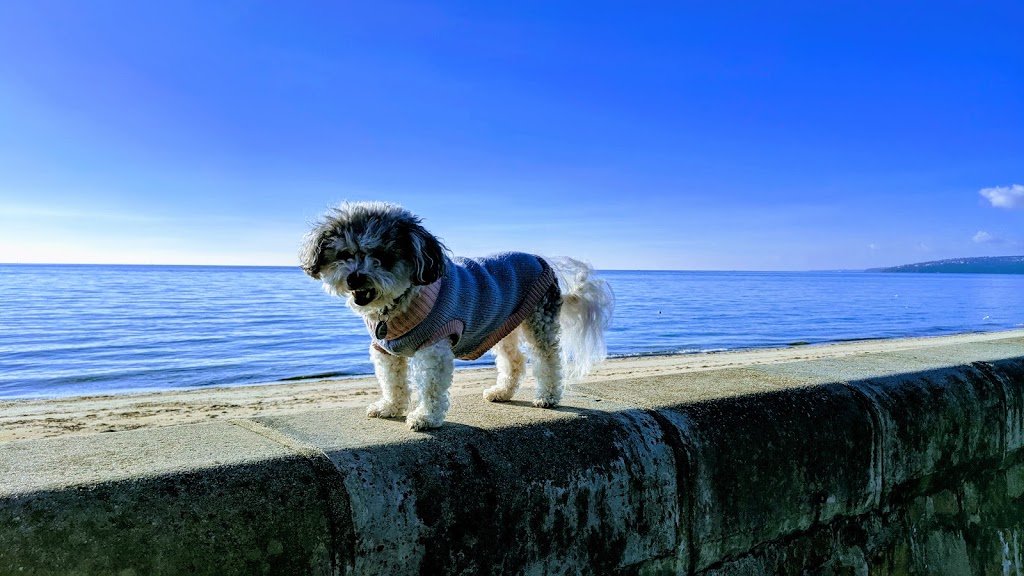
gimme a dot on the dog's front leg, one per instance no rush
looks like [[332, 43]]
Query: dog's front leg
[[432, 369], [393, 376]]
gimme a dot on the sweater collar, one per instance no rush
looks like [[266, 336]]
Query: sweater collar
[[397, 325]]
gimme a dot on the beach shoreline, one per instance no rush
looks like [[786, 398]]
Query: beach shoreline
[[83, 415]]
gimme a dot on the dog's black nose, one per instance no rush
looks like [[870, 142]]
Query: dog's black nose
[[356, 280]]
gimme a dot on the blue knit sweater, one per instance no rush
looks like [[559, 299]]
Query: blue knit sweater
[[479, 301]]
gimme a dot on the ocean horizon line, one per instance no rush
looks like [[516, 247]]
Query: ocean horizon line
[[296, 266]]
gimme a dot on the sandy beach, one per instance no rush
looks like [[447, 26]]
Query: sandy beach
[[27, 419]]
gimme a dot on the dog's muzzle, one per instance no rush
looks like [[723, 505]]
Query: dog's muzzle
[[361, 291]]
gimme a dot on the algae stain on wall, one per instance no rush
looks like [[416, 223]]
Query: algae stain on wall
[[1011, 554]]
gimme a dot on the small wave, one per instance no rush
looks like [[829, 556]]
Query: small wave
[[864, 339], [325, 375], [677, 352]]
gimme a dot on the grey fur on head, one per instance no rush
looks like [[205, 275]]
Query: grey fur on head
[[377, 245]]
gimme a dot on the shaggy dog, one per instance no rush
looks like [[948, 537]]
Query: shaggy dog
[[425, 308]]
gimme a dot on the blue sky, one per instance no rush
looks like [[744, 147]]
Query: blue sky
[[675, 135]]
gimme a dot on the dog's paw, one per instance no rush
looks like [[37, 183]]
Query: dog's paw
[[422, 420], [545, 402], [384, 409], [498, 394]]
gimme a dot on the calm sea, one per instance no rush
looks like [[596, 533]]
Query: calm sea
[[76, 330]]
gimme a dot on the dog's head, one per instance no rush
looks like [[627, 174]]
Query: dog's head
[[371, 253]]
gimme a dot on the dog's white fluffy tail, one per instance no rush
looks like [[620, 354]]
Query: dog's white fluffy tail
[[587, 306]]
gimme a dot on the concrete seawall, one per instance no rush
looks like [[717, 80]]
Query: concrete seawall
[[903, 462]]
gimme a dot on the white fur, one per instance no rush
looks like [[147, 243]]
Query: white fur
[[393, 376], [587, 306], [511, 364], [564, 336]]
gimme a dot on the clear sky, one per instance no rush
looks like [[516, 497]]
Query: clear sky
[[638, 135]]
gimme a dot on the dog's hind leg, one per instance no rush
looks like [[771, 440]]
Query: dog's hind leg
[[393, 376], [511, 364], [542, 330], [432, 370]]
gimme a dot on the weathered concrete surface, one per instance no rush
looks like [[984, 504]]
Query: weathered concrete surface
[[204, 499], [895, 463], [973, 526], [503, 489]]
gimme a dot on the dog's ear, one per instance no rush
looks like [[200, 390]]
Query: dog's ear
[[427, 256], [312, 258]]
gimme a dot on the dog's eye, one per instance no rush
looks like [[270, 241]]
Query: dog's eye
[[344, 255], [386, 259]]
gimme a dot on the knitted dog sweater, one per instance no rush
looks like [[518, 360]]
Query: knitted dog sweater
[[475, 304]]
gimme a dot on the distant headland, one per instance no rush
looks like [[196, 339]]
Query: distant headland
[[978, 265]]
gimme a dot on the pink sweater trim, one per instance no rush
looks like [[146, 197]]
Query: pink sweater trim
[[417, 311]]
